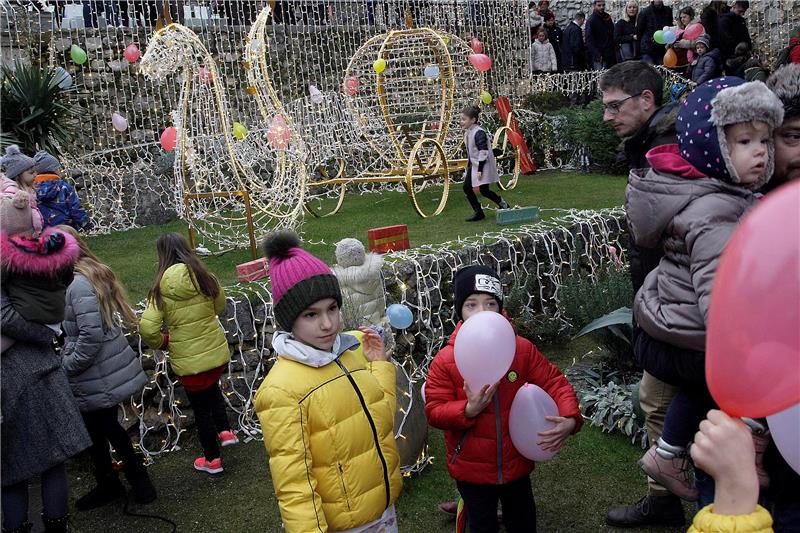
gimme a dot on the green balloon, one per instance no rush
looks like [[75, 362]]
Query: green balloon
[[659, 37], [77, 54]]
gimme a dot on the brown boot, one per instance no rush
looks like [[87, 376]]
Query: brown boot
[[669, 466]]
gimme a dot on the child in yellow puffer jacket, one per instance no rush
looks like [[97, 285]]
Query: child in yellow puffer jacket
[[724, 449], [327, 406], [187, 298]]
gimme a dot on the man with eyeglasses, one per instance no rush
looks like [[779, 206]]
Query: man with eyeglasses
[[632, 104]]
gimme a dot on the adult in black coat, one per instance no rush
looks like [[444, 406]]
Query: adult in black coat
[[651, 19], [709, 18], [733, 29], [625, 33], [555, 36], [600, 45], [573, 48]]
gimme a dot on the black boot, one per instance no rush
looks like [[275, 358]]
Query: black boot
[[503, 205], [143, 489], [478, 215], [108, 489], [56, 525], [666, 510], [24, 528]]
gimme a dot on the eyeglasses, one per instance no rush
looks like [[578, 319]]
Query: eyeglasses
[[612, 108]]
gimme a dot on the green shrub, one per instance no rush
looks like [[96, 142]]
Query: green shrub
[[544, 102], [584, 127]]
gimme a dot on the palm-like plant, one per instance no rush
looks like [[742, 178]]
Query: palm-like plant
[[35, 112]]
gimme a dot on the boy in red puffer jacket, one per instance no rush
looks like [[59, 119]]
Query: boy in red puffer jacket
[[480, 455]]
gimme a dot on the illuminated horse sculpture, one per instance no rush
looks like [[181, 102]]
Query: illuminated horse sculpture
[[230, 190]]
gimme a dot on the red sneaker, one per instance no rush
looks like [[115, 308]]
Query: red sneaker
[[204, 465], [228, 438]]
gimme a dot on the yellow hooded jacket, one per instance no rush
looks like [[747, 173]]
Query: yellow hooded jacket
[[759, 521], [196, 340], [329, 435]]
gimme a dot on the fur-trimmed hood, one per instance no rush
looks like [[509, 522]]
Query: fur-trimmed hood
[[712, 106], [39, 260]]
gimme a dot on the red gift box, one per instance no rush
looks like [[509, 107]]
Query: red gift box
[[388, 239], [252, 270]]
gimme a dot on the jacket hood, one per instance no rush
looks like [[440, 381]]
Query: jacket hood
[[666, 158], [48, 190], [653, 199], [178, 284], [360, 274], [286, 346], [41, 261]]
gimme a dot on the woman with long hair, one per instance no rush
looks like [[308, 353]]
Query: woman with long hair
[[187, 298], [103, 371], [625, 33]]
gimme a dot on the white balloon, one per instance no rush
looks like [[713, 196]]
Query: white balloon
[[119, 122], [315, 94], [527, 419], [785, 430], [484, 349]]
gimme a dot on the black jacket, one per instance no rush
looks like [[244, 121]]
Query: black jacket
[[628, 47], [709, 18], [600, 39], [556, 37], [659, 130], [573, 50], [732, 31], [651, 19]]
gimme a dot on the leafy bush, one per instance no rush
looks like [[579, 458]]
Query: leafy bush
[[585, 298], [544, 102], [585, 127], [539, 329], [36, 115]]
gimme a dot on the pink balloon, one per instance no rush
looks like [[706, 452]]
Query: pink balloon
[[422, 391], [689, 55], [476, 45], [526, 420], [693, 31], [753, 347], [481, 62], [484, 350], [132, 53], [351, 85], [169, 138], [279, 133], [784, 428], [205, 74]]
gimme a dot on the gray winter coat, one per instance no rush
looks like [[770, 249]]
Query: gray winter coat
[[693, 219], [103, 370], [41, 425]]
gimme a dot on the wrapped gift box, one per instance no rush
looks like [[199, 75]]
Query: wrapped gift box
[[252, 270], [388, 239]]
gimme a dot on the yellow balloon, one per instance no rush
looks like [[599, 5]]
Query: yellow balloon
[[486, 98], [239, 130], [379, 65]]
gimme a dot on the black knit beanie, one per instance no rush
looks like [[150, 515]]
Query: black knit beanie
[[474, 279]]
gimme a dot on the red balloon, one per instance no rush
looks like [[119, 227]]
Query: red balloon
[[753, 349], [693, 31], [132, 53], [169, 138], [481, 62], [351, 85], [476, 45], [205, 74]]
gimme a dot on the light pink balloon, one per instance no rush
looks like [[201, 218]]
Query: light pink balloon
[[484, 349], [279, 133], [351, 85], [481, 62], [784, 428], [527, 419], [132, 53], [169, 138], [422, 391], [119, 122], [476, 45], [205, 74]]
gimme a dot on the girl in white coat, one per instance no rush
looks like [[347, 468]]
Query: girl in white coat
[[543, 55], [481, 166]]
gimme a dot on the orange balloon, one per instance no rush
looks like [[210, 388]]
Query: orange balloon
[[670, 59]]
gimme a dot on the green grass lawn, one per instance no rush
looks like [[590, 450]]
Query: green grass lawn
[[594, 472], [132, 253]]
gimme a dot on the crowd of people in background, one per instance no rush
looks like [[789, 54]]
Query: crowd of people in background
[[594, 41]]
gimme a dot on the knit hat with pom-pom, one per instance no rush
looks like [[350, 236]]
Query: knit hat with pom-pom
[[298, 278], [15, 162]]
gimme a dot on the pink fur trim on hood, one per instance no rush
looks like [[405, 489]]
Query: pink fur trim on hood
[[666, 159], [19, 261]]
